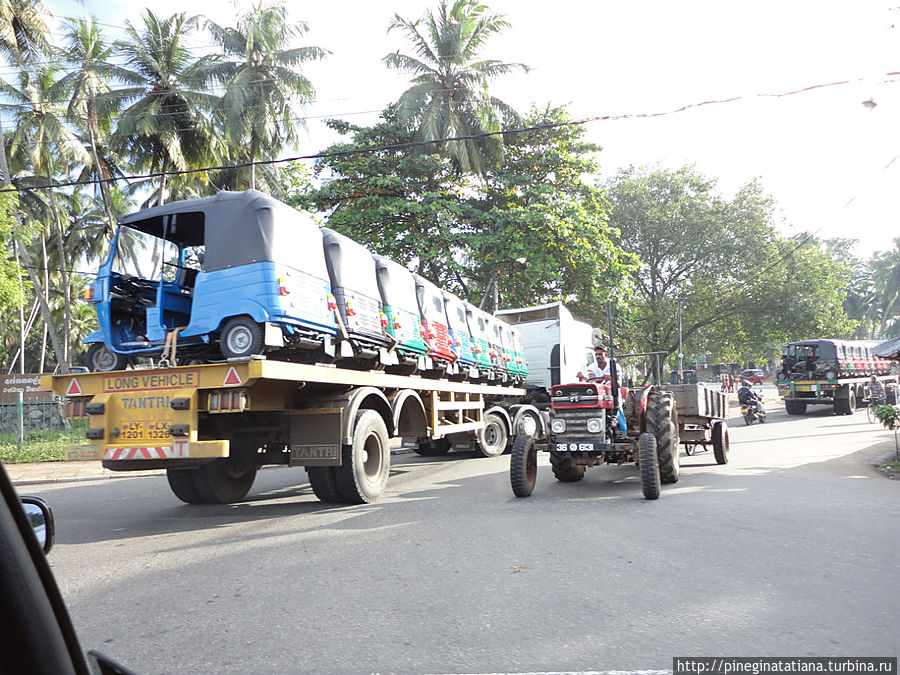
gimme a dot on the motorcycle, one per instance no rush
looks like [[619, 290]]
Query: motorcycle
[[753, 411]]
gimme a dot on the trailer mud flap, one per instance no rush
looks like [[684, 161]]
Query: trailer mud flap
[[316, 437]]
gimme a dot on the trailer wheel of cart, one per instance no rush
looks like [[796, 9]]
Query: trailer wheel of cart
[[223, 482], [492, 439], [366, 462], [181, 482], [720, 441], [523, 466], [649, 461], [792, 407], [102, 359], [240, 337], [565, 469], [434, 447], [323, 481], [661, 421]]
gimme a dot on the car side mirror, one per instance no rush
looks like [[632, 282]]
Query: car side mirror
[[40, 515]]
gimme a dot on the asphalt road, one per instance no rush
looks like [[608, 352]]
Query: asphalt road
[[790, 549]]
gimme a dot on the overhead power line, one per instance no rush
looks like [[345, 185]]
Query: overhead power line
[[439, 141]]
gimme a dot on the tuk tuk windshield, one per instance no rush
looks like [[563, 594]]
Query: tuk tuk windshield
[[141, 255]]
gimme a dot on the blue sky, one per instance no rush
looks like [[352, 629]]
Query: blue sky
[[827, 160]]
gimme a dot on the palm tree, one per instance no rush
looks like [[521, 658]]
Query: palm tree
[[264, 88], [886, 273], [449, 95], [164, 126], [41, 132], [87, 53], [23, 34]]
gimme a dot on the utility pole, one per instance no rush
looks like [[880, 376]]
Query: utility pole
[[680, 350]]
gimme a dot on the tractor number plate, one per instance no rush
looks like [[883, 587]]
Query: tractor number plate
[[574, 447]]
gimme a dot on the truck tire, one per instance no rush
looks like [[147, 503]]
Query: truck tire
[[240, 337], [181, 482], [845, 406], [223, 482], [434, 447], [792, 407], [323, 482], [493, 438], [523, 466], [720, 441], [366, 462], [649, 464], [661, 423], [565, 469], [102, 359]]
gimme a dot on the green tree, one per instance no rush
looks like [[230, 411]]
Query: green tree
[[164, 128], [399, 202], [265, 90], [740, 288], [885, 267], [90, 108], [450, 96], [539, 206]]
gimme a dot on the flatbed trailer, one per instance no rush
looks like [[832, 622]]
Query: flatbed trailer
[[844, 395], [212, 426]]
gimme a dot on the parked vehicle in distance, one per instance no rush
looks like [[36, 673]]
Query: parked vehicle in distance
[[753, 375]]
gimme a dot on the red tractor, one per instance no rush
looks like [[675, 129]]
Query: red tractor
[[588, 426]]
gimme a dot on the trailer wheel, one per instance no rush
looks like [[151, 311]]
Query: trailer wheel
[[649, 461], [434, 447], [181, 482], [492, 439], [366, 462], [223, 482], [240, 337], [565, 469], [324, 485], [523, 466], [661, 422], [792, 407], [845, 406], [101, 358], [720, 441]]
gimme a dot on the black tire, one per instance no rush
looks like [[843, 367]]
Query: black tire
[[366, 462], [720, 441], [101, 359], [649, 461], [845, 406], [565, 469], [523, 466], [690, 449], [748, 419], [493, 438], [181, 482], [830, 375], [528, 425], [223, 482], [795, 407], [241, 337], [434, 447], [661, 422], [323, 481], [870, 413]]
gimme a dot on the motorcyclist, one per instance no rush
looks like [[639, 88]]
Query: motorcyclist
[[748, 397]]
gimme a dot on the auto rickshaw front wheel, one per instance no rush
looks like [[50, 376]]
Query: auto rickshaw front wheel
[[240, 337]]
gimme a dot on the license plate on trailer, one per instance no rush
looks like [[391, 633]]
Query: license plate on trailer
[[574, 447], [144, 431]]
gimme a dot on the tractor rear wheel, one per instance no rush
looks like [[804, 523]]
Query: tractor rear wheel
[[662, 423], [523, 466], [565, 469], [649, 461]]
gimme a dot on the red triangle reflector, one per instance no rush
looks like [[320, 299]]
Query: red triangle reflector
[[231, 377], [74, 388]]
